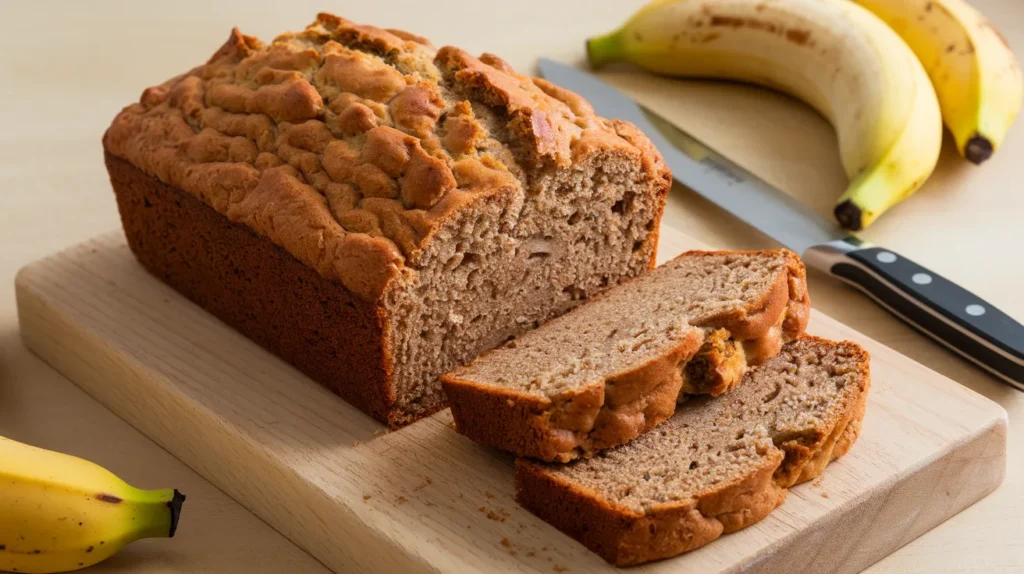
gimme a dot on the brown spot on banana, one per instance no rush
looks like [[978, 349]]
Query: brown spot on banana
[[727, 21], [969, 48], [800, 37], [914, 185], [710, 37], [108, 498], [756, 24]]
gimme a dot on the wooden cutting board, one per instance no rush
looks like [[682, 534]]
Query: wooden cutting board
[[426, 499]]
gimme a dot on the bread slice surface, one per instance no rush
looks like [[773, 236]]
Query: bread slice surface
[[614, 368], [718, 465]]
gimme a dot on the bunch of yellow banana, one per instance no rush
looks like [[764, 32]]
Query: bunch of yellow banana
[[976, 76], [853, 68], [60, 513]]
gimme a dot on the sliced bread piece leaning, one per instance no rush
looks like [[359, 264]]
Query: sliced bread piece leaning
[[718, 465], [614, 368]]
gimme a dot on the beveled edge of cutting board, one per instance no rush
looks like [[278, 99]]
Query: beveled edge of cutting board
[[32, 305]]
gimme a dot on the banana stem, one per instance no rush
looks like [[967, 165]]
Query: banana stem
[[175, 505], [157, 513], [602, 50], [978, 149]]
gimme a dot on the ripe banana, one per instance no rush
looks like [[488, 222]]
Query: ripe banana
[[832, 54], [60, 513], [976, 76]]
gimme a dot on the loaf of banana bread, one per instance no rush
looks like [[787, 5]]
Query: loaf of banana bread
[[376, 211]]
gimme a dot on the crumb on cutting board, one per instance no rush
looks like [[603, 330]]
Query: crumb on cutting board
[[401, 500], [506, 543], [488, 494], [366, 497]]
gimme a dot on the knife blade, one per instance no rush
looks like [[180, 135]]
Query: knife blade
[[932, 304]]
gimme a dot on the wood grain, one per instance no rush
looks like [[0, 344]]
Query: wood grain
[[426, 499]]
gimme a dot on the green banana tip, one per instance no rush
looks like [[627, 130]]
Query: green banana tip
[[602, 50], [175, 505], [850, 216], [978, 149]]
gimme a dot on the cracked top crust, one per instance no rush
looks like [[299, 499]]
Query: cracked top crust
[[350, 145]]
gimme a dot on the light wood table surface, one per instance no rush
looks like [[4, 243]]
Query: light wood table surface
[[68, 67]]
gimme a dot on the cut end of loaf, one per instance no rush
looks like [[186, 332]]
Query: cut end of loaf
[[502, 268], [716, 466]]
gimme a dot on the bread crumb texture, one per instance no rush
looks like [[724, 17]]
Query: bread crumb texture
[[609, 371], [718, 465], [349, 145]]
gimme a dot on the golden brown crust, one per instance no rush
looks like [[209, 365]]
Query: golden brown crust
[[625, 537], [786, 298], [805, 462], [349, 146], [604, 414], [584, 421]]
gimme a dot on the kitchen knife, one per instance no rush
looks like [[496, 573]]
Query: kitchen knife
[[934, 305]]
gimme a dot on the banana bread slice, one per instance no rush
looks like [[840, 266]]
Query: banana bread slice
[[375, 210], [614, 368], [718, 465]]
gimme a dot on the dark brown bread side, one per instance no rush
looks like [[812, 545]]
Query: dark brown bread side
[[659, 510], [258, 288]]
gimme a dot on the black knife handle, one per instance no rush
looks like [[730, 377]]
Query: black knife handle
[[934, 305]]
